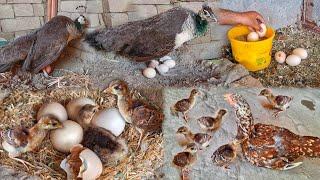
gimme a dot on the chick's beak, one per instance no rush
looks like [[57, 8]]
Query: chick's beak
[[229, 99], [59, 125], [108, 90]]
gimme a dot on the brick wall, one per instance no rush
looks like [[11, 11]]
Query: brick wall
[[18, 17]]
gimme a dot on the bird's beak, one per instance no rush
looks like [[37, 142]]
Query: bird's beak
[[229, 99], [59, 126], [108, 90]]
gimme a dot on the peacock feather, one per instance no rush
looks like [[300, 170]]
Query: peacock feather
[[201, 25]]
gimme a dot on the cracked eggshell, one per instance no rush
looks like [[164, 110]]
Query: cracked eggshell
[[55, 109], [91, 167], [111, 120], [162, 68], [293, 60], [280, 57], [65, 138], [302, 53], [263, 31], [252, 37], [170, 63], [74, 106], [149, 73]]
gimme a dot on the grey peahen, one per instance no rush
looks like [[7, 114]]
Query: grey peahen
[[44, 46], [154, 37]]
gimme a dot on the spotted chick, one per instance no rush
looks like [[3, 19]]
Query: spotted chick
[[280, 102], [20, 140], [211, 124], [144, 117], [184, 160], [270, 146], [225, 154], [201, 139], [86, 114], [185, 105], [109, 148]]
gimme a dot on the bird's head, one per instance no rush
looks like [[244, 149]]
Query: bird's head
[[265, 92], [195, 92], [49, 123], [183, 130], [192, 148], [118, 87], [236, 101], [222, 112], [81, 22], [207, 13], [87, 112]]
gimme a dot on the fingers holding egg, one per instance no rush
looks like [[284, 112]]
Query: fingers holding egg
[[263, 30]]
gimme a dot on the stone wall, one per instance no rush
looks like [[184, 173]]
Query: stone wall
[[18, 17]]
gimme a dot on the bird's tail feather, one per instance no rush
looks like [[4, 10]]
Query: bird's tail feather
[[91, 38], [310, 146]]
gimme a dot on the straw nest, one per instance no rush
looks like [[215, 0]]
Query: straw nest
[[25, 97]]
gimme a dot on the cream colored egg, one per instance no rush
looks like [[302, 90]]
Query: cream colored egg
[[153, 64], [170, 63], [280, 57], [302, 53], [74, 106], [64, 138], [252, 37], [55, 109], [162, 68], [293, 60], [91, 167], [263, 31], [111, 120], [149, 73]]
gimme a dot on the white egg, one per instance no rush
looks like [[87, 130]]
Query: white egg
[[263, 31], [162, 68], [253, 36], [280, 57], [64, 138], [111, 120], [55, 109], [293, 60], [153, 64], [165, 58], [91, 167], [302, 53], [170, 63], [74, 106], [149, 73]]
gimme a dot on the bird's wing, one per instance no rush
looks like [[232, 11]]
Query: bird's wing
[[283, 100], [16, 137], [182, 105], [146, 117], [182, 159]]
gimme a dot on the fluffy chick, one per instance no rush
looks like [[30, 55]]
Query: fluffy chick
[[210, 123], [108, 147], [185, 105], [280, 102], [201, 139], [86, 114], [20, 140], [225, 154], [184, 160]]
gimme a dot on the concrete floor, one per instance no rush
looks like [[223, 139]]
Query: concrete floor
[[302, 118]]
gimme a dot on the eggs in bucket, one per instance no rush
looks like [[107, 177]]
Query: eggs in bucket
[[252, 55]]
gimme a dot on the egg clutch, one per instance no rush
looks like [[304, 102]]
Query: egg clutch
[[75, 129]]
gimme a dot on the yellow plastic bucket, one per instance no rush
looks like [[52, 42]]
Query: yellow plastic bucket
[[252, 55]]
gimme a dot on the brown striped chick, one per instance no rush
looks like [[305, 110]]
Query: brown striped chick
[[86, 114], [184, 160], [21, 140], [225, 154], [210, 123], [185, 136], [185, 105]]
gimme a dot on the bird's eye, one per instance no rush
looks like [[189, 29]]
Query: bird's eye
[[206, 13], [117, 87]]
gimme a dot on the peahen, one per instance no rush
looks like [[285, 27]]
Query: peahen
[[154, 37], [42, 47]]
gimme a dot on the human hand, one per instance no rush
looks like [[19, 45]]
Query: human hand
[[252, 19]]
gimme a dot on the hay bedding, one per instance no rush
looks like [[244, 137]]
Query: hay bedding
[[26, 97]]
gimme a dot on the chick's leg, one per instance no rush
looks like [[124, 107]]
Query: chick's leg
[[141, 137]]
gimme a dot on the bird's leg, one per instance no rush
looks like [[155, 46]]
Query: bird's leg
[[185, 116], [141, 137], [276, 114], [173, 111], [185, 172]]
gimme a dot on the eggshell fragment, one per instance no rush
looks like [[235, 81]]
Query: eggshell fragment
[[149, 73], [293, 60], [111, 120], [162, 68], [263, 31], [252, 37], [55, 109], [65, 138], [75, 105], [280, 57], [153, 64], [170, 63], [302, 53]]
